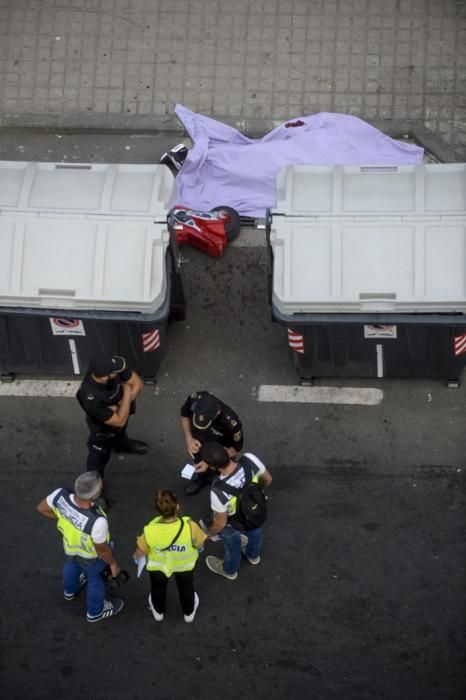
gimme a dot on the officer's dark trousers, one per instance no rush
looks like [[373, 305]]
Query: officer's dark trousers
[[100, 449], [185, 584]]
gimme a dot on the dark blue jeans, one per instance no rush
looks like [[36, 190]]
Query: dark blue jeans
[[232, 547], [96, 587]]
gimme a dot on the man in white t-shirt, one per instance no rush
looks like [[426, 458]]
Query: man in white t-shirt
[[224, 507], [84, 528]]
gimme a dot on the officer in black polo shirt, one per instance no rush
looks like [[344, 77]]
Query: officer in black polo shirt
[[204, 418], [107, 395]]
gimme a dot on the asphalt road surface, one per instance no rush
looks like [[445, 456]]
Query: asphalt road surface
[[361, 589]]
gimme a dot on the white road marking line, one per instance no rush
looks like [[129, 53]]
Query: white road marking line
[[320, 394], [74, 356], [379, 352], [46, 388], [43, 388]]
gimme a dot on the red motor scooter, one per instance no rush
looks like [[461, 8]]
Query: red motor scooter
[[210, 231]]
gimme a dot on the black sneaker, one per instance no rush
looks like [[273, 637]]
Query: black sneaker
[[137, 447], [111, 607], [175, 157], [194, 486]]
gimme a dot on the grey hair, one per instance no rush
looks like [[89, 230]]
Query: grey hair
[[88, 485]]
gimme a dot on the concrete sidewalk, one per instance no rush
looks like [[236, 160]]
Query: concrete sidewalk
[[126, 63]]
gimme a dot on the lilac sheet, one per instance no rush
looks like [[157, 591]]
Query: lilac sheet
[[226, 167]]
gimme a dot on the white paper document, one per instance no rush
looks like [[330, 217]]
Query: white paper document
[[141, 565], [187, 471]]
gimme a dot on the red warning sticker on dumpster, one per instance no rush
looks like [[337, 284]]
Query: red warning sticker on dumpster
[[150, 340], [460, 344], [67, 326]]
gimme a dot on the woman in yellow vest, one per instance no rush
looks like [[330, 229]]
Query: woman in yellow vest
[[171, 545]]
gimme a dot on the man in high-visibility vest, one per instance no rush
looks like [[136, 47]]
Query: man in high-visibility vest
[[224, 505], [84, 528]]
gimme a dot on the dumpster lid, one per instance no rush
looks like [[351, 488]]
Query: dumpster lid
[[343, 265], [375, 238], [74, 263], [304, 190], [86, 189]]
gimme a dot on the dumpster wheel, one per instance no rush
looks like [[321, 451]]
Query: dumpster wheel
[[233, 225]]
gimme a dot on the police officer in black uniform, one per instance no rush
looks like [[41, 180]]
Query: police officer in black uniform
[[204, 418], [107, 395]]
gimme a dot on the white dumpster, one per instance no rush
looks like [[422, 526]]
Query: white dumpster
[[368, 270], [86, 265]]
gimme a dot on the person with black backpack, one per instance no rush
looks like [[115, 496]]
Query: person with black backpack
[[239, 507]]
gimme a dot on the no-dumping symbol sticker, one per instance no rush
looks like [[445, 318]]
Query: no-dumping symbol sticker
[[67, 326]]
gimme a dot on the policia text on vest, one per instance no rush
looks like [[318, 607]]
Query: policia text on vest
[[171, 546], [86, 543]]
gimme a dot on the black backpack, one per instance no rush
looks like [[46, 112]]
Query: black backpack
[[251, 507]]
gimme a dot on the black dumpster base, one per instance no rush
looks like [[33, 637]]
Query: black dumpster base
[[383, 349], [31, 345]]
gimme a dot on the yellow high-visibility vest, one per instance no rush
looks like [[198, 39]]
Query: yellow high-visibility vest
[[228, 500], [180, 556], [75, 525]]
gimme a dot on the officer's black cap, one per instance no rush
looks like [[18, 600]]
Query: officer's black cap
[[205, 411], [103, 365]]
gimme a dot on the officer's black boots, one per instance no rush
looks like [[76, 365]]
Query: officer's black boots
[[198, 481], [134, 446], [193, 487]]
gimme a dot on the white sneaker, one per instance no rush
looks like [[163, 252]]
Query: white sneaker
[[190, 618], [82, 583], [244, 545], [253, 560], [158, 617]]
